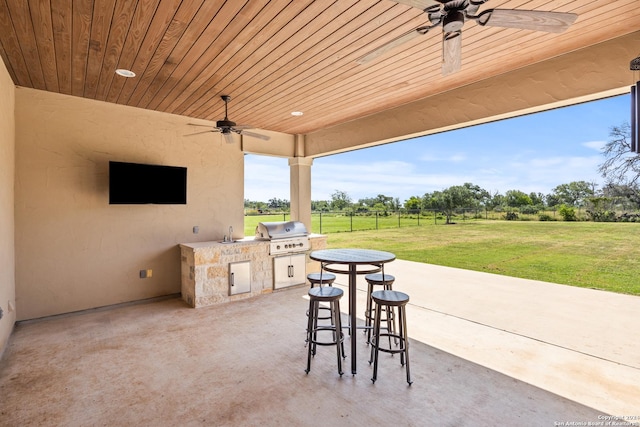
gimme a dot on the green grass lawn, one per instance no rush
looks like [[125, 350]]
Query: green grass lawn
[[592, 255]]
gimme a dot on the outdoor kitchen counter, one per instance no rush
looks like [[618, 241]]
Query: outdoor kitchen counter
[[205, 268]]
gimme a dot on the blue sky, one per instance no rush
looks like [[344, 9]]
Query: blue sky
[[532, 153]]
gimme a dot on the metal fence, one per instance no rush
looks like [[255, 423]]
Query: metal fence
[[347, 221], [335, 222]]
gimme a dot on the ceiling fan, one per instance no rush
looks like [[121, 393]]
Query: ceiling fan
[[452, 14], [228, 128]]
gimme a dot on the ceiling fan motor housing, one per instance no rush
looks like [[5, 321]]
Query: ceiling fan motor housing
[[453, 21], [225, 124]]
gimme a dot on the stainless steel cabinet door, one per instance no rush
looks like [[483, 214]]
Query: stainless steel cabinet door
[[239, 277], [289, 270]]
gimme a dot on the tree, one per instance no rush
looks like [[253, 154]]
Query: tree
[[621, 165], [574, 193], [396, 204], [517, 199], [553, 200], [413, 203], [496, 200], [537, 199], [628, 193], [280, 204], [458, 196], [380, 200], [320, 206], [340, 200], [479, 196]]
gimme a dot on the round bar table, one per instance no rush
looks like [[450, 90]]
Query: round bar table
[[352, 258]]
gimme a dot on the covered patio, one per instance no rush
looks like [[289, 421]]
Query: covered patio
[[85, 339], [542, 354]]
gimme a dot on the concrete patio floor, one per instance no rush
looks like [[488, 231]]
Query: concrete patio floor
[[485, 350]]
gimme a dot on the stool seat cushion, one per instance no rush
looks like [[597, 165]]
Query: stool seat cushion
[[393, 298], [377, 279], [326, 293]]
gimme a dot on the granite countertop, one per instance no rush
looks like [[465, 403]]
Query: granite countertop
[[245, 240]]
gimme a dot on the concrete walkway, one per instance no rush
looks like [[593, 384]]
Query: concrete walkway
[[581, 344]]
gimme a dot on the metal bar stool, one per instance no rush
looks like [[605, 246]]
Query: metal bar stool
[[390, 299], [386, 281], [331, 295], [321, 278]]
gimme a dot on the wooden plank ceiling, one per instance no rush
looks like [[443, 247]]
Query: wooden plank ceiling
[[272, 57]]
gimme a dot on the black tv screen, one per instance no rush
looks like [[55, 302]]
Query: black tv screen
[[136, 183]]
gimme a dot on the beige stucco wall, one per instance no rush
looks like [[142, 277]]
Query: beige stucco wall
[[75, 251], [7, 249]]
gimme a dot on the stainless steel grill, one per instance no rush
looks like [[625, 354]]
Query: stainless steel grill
[[285, 236]]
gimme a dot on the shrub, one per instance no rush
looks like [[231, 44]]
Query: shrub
[[602, 216], [546, 217], [529, 209], [567, 213], [627, 217], [511, 216]]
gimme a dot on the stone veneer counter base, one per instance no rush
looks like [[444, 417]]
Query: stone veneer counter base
[[205, 268]]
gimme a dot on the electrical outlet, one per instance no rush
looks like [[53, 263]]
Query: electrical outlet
[[145, 274], [196, 229]]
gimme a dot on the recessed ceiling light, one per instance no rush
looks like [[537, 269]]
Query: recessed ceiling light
[[297, 113], [125, 73]]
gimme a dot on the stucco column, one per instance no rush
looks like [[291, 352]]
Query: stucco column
[[300, 189]]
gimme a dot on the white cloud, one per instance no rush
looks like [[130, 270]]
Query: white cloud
[[266, 178], [595, 145], [393, 178], [543, 174]]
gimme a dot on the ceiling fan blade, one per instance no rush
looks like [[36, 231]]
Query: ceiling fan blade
[[552, 22], [387, 47], [451, 52], [198, 124], [204, 131], [256, 135], [228, 137], [242, 127], [420, 4]]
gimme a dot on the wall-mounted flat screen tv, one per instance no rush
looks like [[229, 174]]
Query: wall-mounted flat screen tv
[[136, 184]]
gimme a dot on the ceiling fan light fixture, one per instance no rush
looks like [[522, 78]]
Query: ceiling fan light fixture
[[635, 64], [125, 73]]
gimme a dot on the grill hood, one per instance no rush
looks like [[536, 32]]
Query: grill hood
[[280, 230]]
